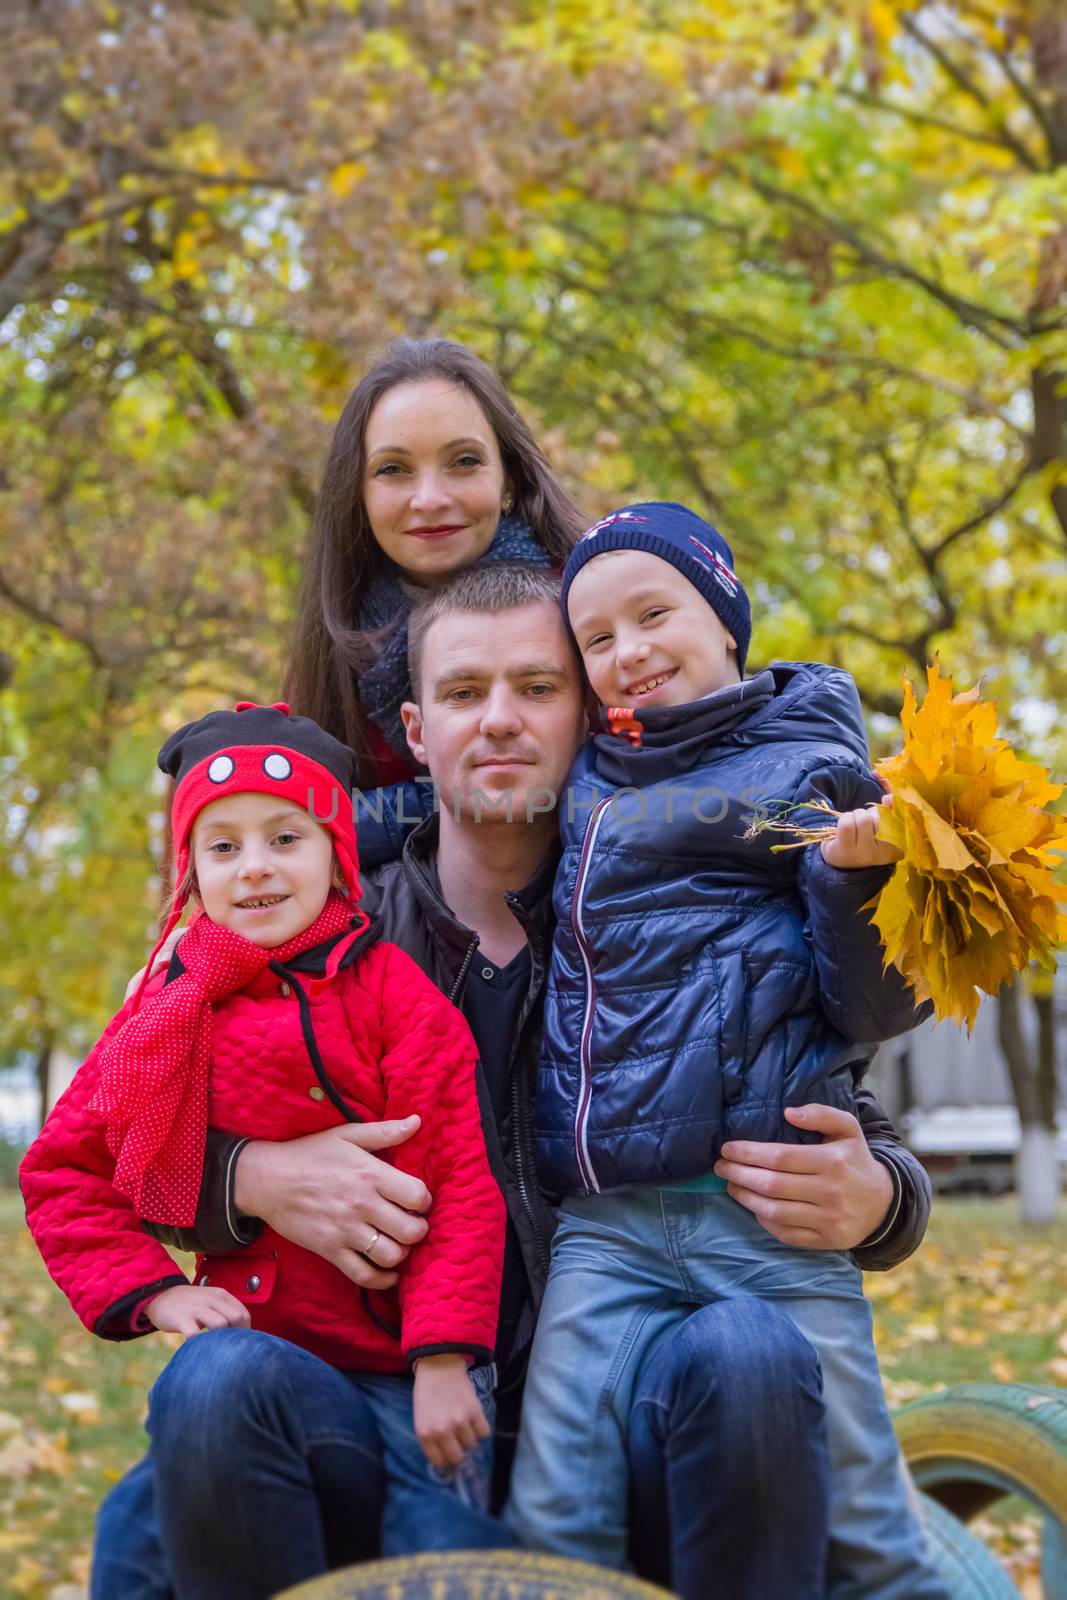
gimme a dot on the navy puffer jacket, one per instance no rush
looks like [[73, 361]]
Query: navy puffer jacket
[[699, 981]]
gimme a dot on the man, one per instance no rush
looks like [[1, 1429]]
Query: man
[[497, 720]]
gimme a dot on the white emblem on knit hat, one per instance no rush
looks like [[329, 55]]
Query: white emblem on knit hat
[[723, 575], [221, 768], [607, 522], [277, 766]]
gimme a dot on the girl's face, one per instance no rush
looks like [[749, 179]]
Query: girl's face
[[264, 867], [433, 480]]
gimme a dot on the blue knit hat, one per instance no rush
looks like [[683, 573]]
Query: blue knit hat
[[679, 536]]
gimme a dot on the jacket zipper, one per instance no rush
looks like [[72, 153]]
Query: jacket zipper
[[462, 973], [525, 1163], [585, 1081], [521, 1131]]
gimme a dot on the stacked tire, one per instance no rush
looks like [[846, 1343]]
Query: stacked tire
[[975, 1444], [475, 1575]]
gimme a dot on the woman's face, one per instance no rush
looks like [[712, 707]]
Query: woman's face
[[433, 481]]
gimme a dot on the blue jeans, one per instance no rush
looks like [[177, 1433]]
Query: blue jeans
[[268, 1466], [734, 1381], [626, 1267]]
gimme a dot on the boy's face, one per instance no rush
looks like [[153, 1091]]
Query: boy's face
[[263, 867], [647, 636]]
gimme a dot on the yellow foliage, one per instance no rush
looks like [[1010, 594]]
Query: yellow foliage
[[972, 900], [343, 179], [186, 260], [884, 21], [200, 150]]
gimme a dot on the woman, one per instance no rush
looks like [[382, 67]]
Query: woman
[[431, 470]]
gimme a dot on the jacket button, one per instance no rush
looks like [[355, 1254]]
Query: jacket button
[[253, 1284], [316, 1093], [203, 1280], [487, 972], [284, 990]]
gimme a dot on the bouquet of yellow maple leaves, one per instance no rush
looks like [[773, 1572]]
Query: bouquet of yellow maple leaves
[[972, 899]]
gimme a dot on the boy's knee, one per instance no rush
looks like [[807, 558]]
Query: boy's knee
[[731, 1349]]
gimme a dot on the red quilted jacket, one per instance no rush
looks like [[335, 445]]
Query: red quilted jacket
[[389, 1044]]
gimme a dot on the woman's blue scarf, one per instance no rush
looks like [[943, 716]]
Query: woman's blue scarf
[[384, 686]]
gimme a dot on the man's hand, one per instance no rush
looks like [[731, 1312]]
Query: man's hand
[[449, 1419], [331, 1194], [827, 1196], [191, 1308], [855, 843], [160, 964]]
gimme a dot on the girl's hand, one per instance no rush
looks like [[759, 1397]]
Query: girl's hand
[[449, 1419], [855, 843], [190, 1308], [160, 964]]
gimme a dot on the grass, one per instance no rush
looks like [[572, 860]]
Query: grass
[[984, 1299]]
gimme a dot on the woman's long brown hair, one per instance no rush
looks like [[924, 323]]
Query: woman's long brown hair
[[327, 646]]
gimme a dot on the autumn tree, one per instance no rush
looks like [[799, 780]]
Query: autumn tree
[[802, 266]]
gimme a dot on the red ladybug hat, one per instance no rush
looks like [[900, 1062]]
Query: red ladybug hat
[[259, 750]]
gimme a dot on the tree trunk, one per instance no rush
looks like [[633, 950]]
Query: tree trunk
[[906, 1069], [1037, 1174], [1047, 1089], [43, 1063]]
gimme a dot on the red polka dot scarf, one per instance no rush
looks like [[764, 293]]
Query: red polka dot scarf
[[153, 1089]]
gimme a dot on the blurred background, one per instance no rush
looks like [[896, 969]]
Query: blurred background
[[800, 265]]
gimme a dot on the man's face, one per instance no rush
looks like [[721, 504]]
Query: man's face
[[500, 714]]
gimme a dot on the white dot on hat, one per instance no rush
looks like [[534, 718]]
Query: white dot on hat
[[221, 769], [277, 766]]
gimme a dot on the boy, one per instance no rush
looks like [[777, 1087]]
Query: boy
[[701, 985]]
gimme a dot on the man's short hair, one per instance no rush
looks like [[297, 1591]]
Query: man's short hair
[[485, 591]]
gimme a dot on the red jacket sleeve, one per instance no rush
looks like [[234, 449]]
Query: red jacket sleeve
[[89, 1235], [450, 1284]]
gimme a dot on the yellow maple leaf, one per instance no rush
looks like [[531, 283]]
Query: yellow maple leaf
[[973, 899], [346, 177]]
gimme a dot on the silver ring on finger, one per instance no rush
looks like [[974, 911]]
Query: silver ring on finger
[[366, 1251]]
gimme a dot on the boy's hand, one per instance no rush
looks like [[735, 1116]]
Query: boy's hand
[[449, 1419], [191, 1308], [855, 844]]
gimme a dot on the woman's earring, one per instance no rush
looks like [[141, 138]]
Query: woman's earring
[[505, 505]]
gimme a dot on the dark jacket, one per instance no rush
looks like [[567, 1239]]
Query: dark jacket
[[701, 981], [406, 897]]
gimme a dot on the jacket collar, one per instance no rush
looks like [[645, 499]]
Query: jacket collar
[[313, 961], [669, 739], [532, 904]]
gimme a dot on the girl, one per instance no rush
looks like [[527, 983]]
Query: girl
[[286, 1014]]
